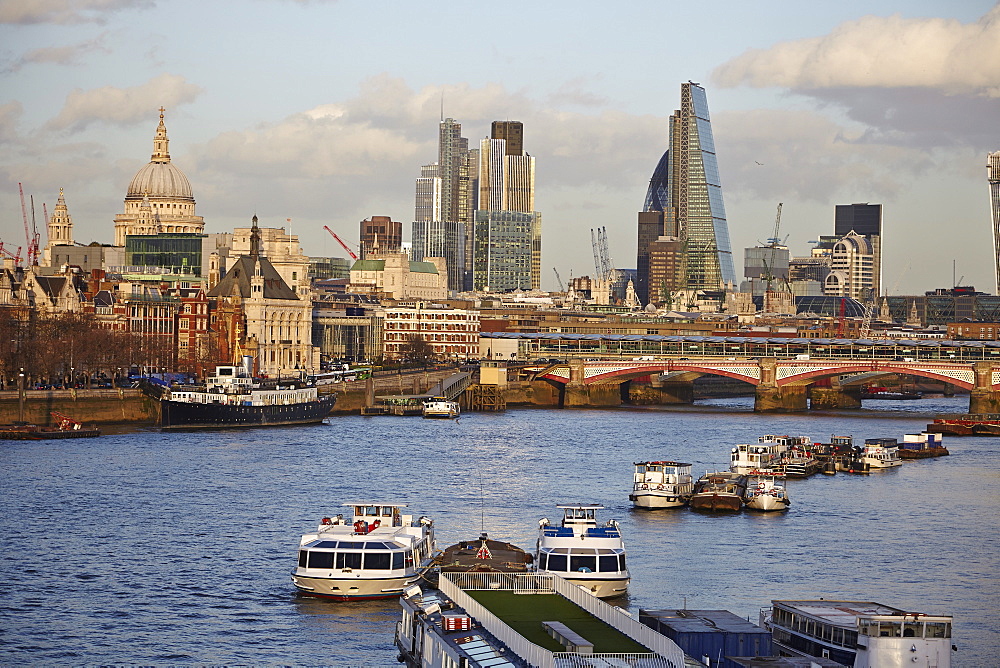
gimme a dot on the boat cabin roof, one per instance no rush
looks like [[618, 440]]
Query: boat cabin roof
[[661, 464], [840, 613], [581, 506]]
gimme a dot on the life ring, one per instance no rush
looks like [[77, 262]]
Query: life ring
[[643, 486], [659, 487], [761, 485]]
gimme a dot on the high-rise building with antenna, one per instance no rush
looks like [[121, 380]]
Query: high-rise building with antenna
[[993, 174]]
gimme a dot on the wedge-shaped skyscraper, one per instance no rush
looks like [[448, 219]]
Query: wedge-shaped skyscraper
[[686, 189]]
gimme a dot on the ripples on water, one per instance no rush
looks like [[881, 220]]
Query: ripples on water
[[158, 548]]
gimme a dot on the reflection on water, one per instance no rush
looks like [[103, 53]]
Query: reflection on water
[[177, 548]]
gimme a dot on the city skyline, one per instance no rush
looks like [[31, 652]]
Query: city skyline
[[896, 107]]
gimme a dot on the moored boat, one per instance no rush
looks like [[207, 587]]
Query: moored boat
[[863, 634], [440, 407], [661, 484], [589, 555], [922, 445], [65, 427], [233, 398], [376, 553], [876, 392], [484, 555], [764, 491], [968, 424], [721, 491], [881, 453]]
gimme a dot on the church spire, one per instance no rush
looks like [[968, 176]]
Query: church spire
[[161, 150], [255, 238]]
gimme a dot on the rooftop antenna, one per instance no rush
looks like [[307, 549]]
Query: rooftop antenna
[[442, 106]]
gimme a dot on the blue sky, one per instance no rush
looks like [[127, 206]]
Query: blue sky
[[324, 111]]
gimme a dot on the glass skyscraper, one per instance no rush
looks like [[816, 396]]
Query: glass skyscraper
[[993, 174], [686, 188]]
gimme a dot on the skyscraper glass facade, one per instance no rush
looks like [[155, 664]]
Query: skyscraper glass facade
[[686, 186], [507, 244]]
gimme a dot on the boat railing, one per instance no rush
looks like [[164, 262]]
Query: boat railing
[[666, 654]]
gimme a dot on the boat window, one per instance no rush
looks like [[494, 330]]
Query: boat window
[[556, 562], [590, 513], [303, 555], [889, 629], [348, 560], [608, 564], [838, 635], [397, 560], [938, 630], [656, 469], [913, 630], [351, 545], [583, 564], [326, 544], [321, 559], [387, 511], [375, 545], [359, 510], [378, 560], [850, 638], [371, 510]]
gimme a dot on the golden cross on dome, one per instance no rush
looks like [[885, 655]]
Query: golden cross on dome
[[161, 111]]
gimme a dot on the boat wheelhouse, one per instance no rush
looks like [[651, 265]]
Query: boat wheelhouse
[[747, 457], [517, 620], [881, 453], [661, 484], [585, 553], [376, 553], [859, 633]]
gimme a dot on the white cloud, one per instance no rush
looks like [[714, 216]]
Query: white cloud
[[26, 12], [893, 52], [122, 106], [10, 116], [61, 55]]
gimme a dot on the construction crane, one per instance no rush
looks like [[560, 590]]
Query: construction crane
[[341, 242], [773, 244], [15, 256], [30, 233], [559, 280]]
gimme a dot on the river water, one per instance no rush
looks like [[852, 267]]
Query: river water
[[152, 548]]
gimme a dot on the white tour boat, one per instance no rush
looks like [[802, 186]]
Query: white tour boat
[[661, 485], [862, 634], [439, 407], [582, 552], [375, 554], [765, 491], [881, 453]]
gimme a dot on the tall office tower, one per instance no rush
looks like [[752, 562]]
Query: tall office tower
[[445, 206], [993, 173], [852, 263], [507, 240], [380, 234], [686, 188], [864, 220]]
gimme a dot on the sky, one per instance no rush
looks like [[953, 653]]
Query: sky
[[323, 111]]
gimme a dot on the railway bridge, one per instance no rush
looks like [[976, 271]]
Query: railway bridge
[[788, 374], [781, 385]]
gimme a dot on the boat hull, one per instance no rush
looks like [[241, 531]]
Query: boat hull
[[768, 503], [356, 589], [714, 502], [41, 433], [653, 500], [603, 588], [184, 415], [924, 453]]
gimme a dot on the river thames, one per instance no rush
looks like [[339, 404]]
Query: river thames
[[142, 547]]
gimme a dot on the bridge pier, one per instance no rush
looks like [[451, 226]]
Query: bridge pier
[[770, 398], [836, 396], [983, 399]]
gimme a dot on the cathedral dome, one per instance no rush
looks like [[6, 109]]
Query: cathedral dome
[[160, 179]]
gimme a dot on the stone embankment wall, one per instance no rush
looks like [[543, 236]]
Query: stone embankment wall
[[87, 406]]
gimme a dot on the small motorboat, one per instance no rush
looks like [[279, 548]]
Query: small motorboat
[[765, 492]]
